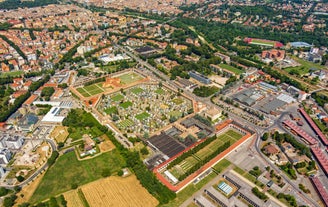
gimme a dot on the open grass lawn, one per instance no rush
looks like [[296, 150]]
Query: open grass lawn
[[126, 105], [117, 97], [77, 132], [187, 192], [11, 74], [137, 90], [130, 78], [234, 134], [231, 68], [305, 66], [83, 92], [93, 89], [160, 91], [142, 116], [175, 113], [177, 101], [126, 123], [111, 110], [68, 170]]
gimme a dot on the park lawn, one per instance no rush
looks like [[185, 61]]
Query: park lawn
[[11, 74], [126, 105], [93, 89], [137, 90], [111, 110], [187, 192], [223, 164], [117, 97], [68, 170], [231, 68], [160, 91], [142, 116], [130, 78]]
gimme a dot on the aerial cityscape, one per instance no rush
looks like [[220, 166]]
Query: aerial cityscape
[[144, 103]]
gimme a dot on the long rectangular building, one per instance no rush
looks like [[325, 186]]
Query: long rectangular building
[[321, 157], [321, 189], [316, 129], [309, 139]]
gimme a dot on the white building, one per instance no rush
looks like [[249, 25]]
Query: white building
[[11, 141], [5, 156], [2, 172]]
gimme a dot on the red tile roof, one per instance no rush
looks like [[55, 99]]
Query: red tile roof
[[300, 132]]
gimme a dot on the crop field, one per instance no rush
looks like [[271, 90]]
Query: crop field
[[126, 123], [117, 98], [231, 68], [192, 160], [91, 90], [142, 116], [126, 105], [130, 78], [117, 191], [73, 199], [137, 90]]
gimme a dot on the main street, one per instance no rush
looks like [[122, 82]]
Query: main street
[[259, 130]]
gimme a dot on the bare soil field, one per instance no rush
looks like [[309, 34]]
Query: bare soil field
[[59, 133], [116, 191]]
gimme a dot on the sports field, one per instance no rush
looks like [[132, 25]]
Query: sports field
[[262, 42], [130, 77], [142, 116], [231, 68], [207, 150], [91, 90]]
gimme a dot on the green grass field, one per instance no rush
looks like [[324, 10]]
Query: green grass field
[[231, 68], [160, 91], [11, 74], [175, 114], [189, 162], [126, 123], [142, 116], [68, 171], [126, 105], [130, 78], [117, 97], [91, 90], [77, 132], [305, 66], [262, 42], [111, 110], [177, 101], [137, 90]]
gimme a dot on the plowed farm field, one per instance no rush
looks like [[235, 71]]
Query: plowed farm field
[[117, 191]]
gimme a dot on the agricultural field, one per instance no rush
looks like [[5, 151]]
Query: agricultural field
[[231, 68], [194, 159], [59, 134], [144, 108], [73, 199], [75, 172], [117, 191]]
